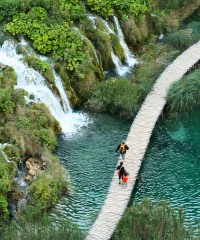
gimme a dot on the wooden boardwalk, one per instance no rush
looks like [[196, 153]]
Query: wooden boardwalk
[[138, 138]]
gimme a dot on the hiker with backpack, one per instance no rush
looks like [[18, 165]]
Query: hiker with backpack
[[122, 173], [122, 149]]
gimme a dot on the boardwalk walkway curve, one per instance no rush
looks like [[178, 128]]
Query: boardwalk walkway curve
[[138, 138]]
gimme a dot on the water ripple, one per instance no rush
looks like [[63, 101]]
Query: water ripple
[[171, 169], [90, 159]]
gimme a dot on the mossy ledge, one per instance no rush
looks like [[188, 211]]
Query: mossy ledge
[[28, 134]]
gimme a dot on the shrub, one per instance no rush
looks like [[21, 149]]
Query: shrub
[[174, 4], [184, 94], [46, 191], [145, 220], [182, 39], [115, 96], [4, 214], [8, 77], [71, 10], [8, 8], [18, 97], [7, 172], [105, 8], [46, 137], [6, 103], [32, 225], [63, 42], [133, 7], [195, 26]]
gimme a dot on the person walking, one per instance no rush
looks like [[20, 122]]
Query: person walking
[[122, 149], [121, 171]]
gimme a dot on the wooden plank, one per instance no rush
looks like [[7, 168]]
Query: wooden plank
[[138, 138]]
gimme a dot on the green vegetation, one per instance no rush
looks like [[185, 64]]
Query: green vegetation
[[49, 186], [183, 38], [124, 97], [7, 173], [41, 66], [8, 8], [33, 225], [174, 4], [184, 95], [105, 8], [57, 38], [30, 131], [49, 26], [146, 220], [115, 96]]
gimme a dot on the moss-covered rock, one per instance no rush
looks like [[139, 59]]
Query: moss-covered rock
[[21, 49], [65, 75], [8, 78], [135, 31], [13, 153], [101, 41], [117, 48], [85, 78]]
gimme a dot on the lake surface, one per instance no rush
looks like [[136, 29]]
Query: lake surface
[[171, 168], [91, 159]]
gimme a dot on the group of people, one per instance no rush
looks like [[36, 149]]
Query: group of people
[[121, 171]]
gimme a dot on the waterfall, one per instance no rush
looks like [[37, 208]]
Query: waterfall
[[34, 84], [84, 37], [93, 48], [92, 18], [130, 60], [120, 68], [61, 90], [109, 30], [2, 146]]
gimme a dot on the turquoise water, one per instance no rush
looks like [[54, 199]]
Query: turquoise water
[[91, 159], [171, 168]]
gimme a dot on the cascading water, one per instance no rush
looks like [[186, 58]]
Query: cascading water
[[19, 177], [130, 60], [34, 83], [92, 18], [121, 69], [61, 90], [2, 146]]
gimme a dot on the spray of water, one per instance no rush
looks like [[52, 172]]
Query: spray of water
[[121, 69], [34, 83]]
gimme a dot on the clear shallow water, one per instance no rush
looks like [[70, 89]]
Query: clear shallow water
[[170, 171], [171, 168], [90, 159]]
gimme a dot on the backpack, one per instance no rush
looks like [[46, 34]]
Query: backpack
[[125, 173], [122, 148]]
